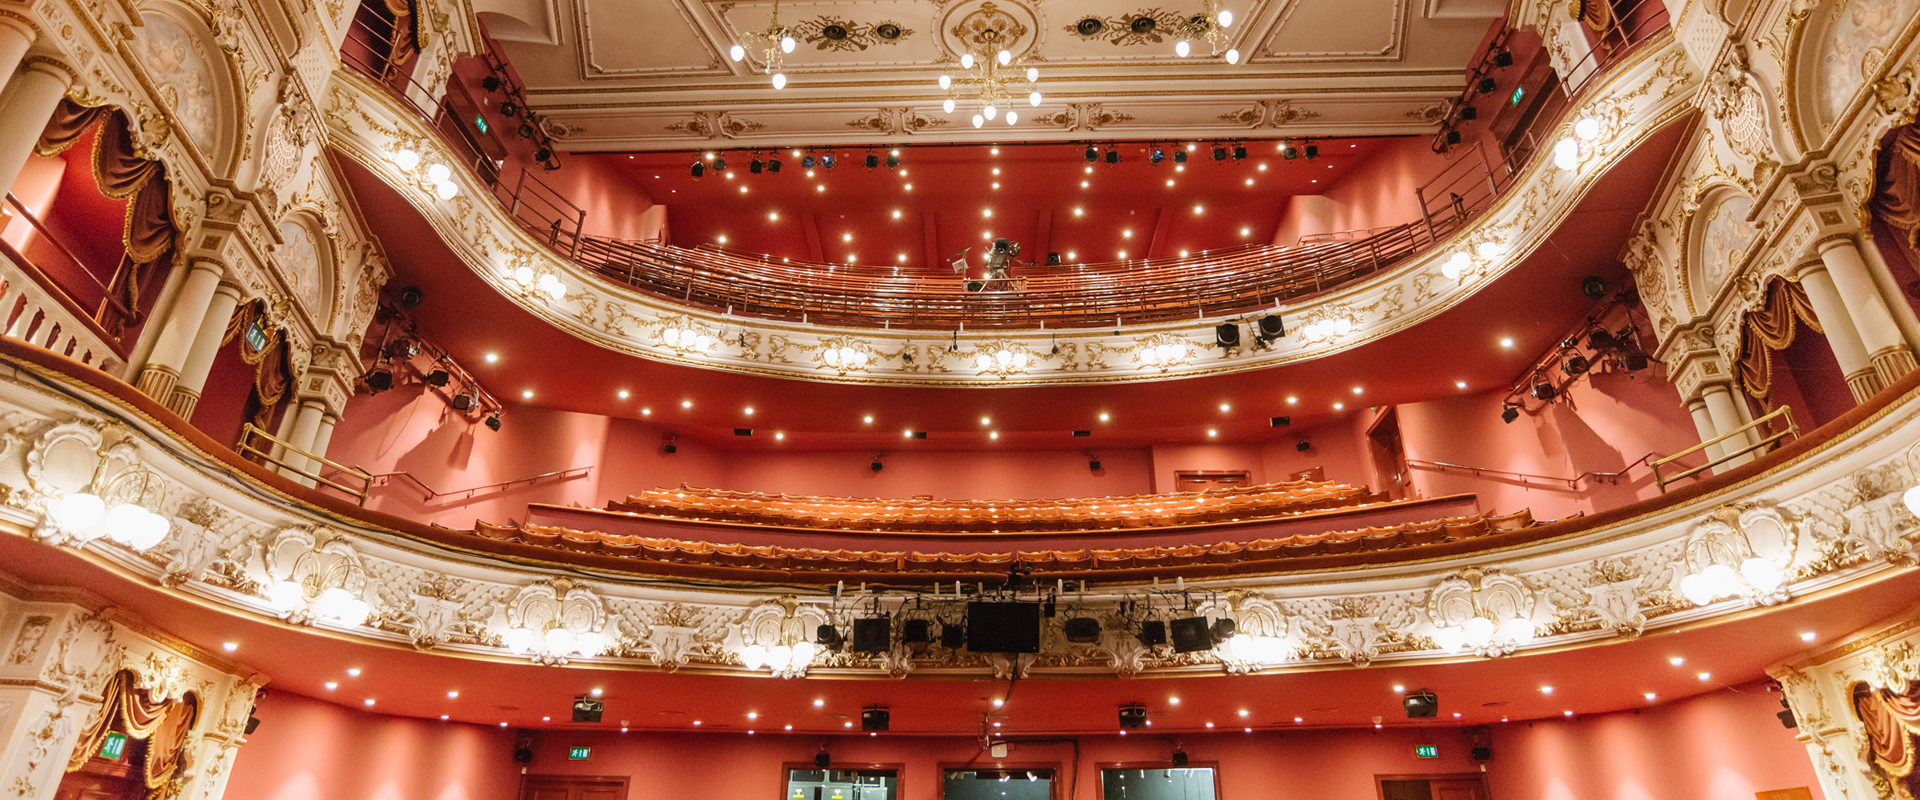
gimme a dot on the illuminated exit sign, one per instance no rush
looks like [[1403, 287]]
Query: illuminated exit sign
[[579, 753], [114, 746], [1426, 751]]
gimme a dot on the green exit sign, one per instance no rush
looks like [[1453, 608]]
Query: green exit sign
[[1426, 751], [480, 122], [114, 746], [1518, 92], [579, 753]]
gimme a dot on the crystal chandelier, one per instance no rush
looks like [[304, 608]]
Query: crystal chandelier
[[776, 41], [1211, 26], [996, 79]]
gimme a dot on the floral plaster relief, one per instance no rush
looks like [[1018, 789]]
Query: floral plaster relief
[[1856, 43], [178, 63], [1729, 238], [300, 261]]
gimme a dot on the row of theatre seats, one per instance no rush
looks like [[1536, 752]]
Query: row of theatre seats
[[802, 559], [1233, 504]]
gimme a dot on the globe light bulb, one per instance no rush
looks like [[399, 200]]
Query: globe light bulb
[[406, 159], [1697, 588], [786, 44], [353, 612], [123, 522], [753, 656], [445, 190], [737, 52], [1226, 18], [989, 111], [1456, 266], [1005, 58], [977, 121], [1033, 98], [1181, 48], [150, 530], [285, 595], [519, 640], [1012, 116], [1566, 154], [1033, 74], [590, 644], [779, 80], [438, 173], [1587, 128], [1518, 630], [1233, 55], [559, 641], [946, 82], [1491, 250], [332, 602], [947, 106], [1450, 639], [1479, 631], [1762, 574], [966, 61], [1723, 579], [77, 512]]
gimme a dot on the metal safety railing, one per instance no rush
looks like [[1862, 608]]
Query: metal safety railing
[[1766, 441], [302, 463]]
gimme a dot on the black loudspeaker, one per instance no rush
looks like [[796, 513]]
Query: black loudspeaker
[[1133, 716], [822, 760], [1279, 422], [876, 466], [672, 448], [1003, 627], [1272, 327], [1481, 754], [1153, 632], [1083, 630], [1179, 758], [411, 297], [1190, 635], [952, 637], [875, 718], [916, 631], [1093, 464], [1469, 113], [872, 634], [587, 710], [1226, 334], [1787, 720], [1420, 704], [1303, 445], [523, 754], [1053, 259], [1594, 287], [253, 724]]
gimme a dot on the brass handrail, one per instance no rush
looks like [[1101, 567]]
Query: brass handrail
[[1783, 413], [245, 447]]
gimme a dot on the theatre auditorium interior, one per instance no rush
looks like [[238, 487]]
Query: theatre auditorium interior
[[959, 399]]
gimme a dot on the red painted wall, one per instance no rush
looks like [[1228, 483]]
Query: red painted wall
[[1378, 192], [306, 749], [1725, 745]]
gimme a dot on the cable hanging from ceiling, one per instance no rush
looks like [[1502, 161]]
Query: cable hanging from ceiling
[[775, 42]]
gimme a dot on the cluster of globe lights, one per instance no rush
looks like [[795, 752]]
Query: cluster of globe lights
[[1478, 632], [1456, 266], [335, 603], [558, 643], [86, 517], [1719, 581], [1256, 650], [1225, 20], [786, 46], [989, 110], [546, 282], [1566, 152], [786, 660], [1168, 353], [437, 174], [1327, 328], [688, 338], [1004, 359], [847, 357]]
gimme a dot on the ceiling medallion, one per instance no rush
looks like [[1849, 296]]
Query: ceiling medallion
[[988, 28], [776, 41]]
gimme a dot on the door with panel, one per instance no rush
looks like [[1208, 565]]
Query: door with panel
[[569, 787]]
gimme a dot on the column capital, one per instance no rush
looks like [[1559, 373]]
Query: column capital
[[17, 21], [48, 65], [330, 377]]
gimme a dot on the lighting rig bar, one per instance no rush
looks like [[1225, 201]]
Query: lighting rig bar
[[763, 160], [1550, 376], [500, 81], [1479, 81], [468, 397]]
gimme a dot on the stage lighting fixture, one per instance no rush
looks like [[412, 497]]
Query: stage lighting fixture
[[1113, 156], [1219, 153], [872, 161], [755, 166], [1420, 704], [699, 169], [587, 709], [543, 155], [827, 161], [1594, 287], [876, 466], [1289, 152], [1222, 629], [464, 401], [822, 760], [893, 161], [1575, 364], [526, 130], [807, 161], [1509, 413], [1543, 390], [916, 634], [1190, 635], [720, 163], [1469, 113], [1083, 630], [493, 422], [1133, 716], [1481, 754], [1487, 85], [1272, 327], [1303, 445], [952, 637], [1634, 360], [1785, 715], [1153, 632], [412, 297], [874, 718], [872, 634], [1239, 152], [1503, 58], [490, 83], [670, 448], [1158, 155], [1093, 464], [1180, 759], [1093, 154], [1601, 340], [1179, 156], [1053, 259], [509, 109], [1453, 136], [1003, 627], [1226, 334], [380, 379], [773, 165], [1312, 151], [827, 636], [401, 349]]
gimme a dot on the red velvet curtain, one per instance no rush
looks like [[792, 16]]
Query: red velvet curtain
[[165, 726], [272, 371], [1897, 199], [1891, 721], [406, 31], [1770, 328], [149, 233]]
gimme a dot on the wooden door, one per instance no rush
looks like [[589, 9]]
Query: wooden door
[[559, 787], [1458, 789], [1454, 786], [1195, 481]]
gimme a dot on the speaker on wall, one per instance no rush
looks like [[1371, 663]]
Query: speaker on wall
[[1003, 627], [872, 634]]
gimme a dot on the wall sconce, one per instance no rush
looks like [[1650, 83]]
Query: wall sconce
[[682, 337], [1461, 264], [778, 636], [1001, 358], [1570, 151], [1164, 351], [1490, 613], [1722, 561], [1326, 329], [115, 508], [555, 621], [842, 356], [323, 580], [544, 282], [439, 176]]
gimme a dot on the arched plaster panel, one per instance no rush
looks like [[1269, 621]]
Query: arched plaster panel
[[1720, 242], [305, 261], [1846, 43], [190, 77]]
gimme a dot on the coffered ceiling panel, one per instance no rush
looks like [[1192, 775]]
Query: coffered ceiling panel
[[655, 74]]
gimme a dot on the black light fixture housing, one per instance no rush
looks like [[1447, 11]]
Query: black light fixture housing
[[827, 636], [893, 160], [543, 155], [1487, 85], [1453, 136], [1289, 152], [1180, 759], [1509, 413], [380, 379], [1226, 334], [1575, 364], [827, 161], [1420, 703], [464, 400], [773, 165], [916, 634], [1219, 153], [720, 163], [1190, 635], [439, 377], [1153, 632], [1082, 630], [872, 634], [755, 166], [1312, 151], [1133, 715], [1303, 445], [1223, 629], [1543, 389], [872, 161], [1113, 155], [699, 169], [1503, 58], [1469, 113], [875, 718], [587, 709], [493, 421], [1239, 152], [509, 109], [807, 161], [1093, 154], [1180, 156], [490, 83], [822, 760], [1158, 155]]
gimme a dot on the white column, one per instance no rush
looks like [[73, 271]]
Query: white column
[[182, 326], [1890, 291], [305, 427], [1886, 349], [1841, 335], [16, 35], [206, 346], [1703, 423], [1726, 419], [156, 319], [32, 95]]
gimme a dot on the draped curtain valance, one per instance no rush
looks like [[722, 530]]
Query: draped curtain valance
[[272, 371], [164, 725], [149, 233], [1891, 720], [1771, 327]]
